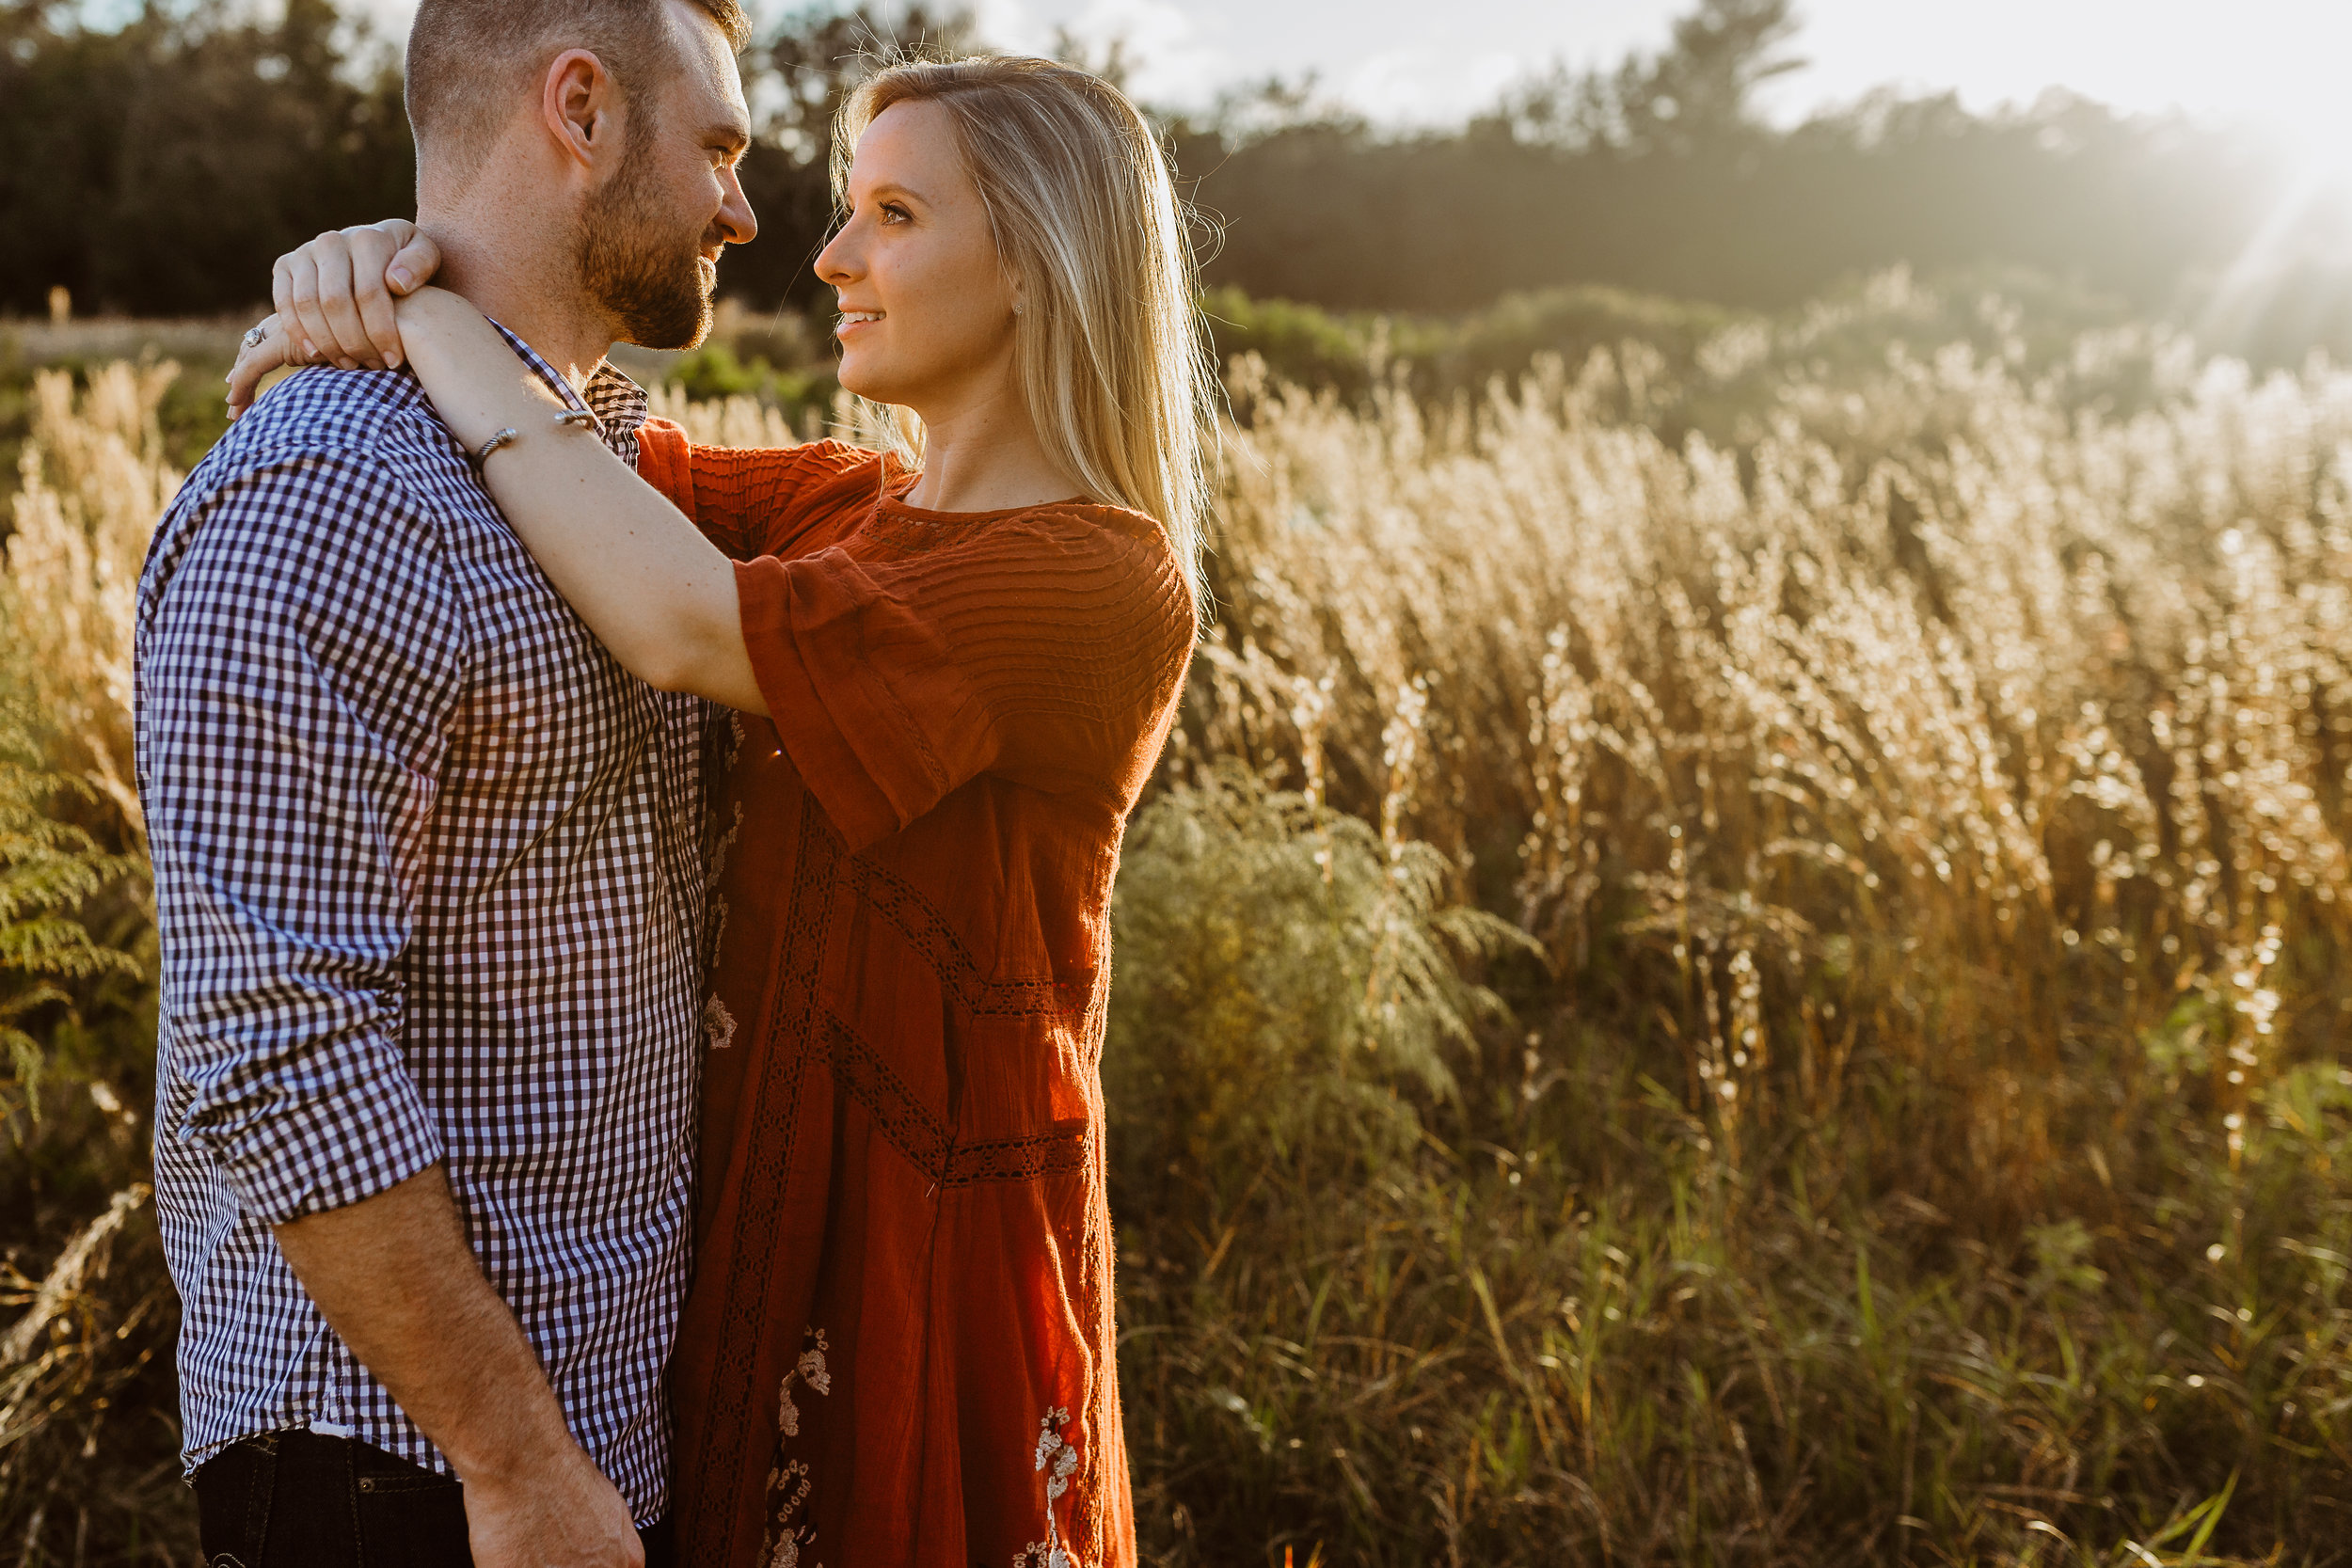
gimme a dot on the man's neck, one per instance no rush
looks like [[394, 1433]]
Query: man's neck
[[518, 284]]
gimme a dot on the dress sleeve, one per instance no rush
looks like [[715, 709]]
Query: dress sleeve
[[748, 500], [297, 670], [1043, 650]]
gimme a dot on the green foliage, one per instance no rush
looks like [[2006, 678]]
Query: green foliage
[[1284, 980], [1919, 713], [1547, 1328], [1351, 353], [88, 1432], [48, 870], [713, 372]]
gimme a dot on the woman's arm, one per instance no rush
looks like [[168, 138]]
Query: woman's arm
[[657, 594]]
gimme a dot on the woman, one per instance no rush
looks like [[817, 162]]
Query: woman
[[952, 680]]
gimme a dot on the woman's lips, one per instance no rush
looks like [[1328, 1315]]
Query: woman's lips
[[853, 321]]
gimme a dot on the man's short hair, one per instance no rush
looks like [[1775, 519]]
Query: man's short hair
[[468, 59]]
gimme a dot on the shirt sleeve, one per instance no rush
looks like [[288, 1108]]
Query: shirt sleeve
[[1044, 650], [750, 501], [297, 672]]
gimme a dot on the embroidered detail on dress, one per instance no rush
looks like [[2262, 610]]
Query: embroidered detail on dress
[[716, 919], [1057, 1460], [715, 861], [718, 1024], [789, 1481]]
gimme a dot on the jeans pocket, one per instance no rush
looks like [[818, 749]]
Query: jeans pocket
[[411, 1522], [232, 1499]]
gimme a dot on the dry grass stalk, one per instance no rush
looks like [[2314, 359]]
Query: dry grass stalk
[[94, 483]]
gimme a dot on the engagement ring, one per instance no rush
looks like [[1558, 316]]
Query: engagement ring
[[253, 338]]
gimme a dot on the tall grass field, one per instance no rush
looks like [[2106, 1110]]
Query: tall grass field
[[1741, 956]]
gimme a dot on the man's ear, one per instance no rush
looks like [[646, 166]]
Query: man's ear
[[581, 107]]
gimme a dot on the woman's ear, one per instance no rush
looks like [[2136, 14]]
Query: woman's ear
[[579, 104]]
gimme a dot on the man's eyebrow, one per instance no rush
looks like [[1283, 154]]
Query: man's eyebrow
[[729, 133]]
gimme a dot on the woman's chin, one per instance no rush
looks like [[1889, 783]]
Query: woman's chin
[[861, 378]]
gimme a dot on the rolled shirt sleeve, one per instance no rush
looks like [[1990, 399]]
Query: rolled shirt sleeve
[[298, 671]]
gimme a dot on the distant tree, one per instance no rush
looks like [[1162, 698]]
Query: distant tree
[[1698, 94], [159, 166]]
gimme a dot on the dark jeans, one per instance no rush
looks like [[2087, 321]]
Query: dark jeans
[[296, 1500]]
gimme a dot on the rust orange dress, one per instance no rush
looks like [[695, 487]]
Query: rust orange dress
[[898, 1347]]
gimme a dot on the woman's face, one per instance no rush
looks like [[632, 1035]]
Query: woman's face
[[926, 312]]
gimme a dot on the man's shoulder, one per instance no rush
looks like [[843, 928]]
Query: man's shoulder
[[368, 420], [335, 477]]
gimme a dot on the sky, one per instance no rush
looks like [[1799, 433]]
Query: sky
[[2283, 62]]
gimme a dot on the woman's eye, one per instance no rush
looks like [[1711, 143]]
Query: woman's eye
[[893, 213]]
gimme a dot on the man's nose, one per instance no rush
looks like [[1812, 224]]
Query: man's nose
[[736, 217]]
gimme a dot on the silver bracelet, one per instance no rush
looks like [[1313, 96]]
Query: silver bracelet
[[506, 437], [575, 419]]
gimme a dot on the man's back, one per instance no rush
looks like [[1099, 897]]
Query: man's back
[[428, 886]]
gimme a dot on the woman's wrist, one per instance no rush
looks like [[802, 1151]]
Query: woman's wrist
[[429, 308]]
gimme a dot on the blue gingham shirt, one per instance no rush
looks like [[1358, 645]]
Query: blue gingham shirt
[[428, 879]]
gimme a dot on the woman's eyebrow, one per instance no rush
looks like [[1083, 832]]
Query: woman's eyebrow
[[889, 188]]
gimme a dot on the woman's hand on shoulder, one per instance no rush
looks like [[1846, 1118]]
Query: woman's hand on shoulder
[[334, 300], [338, 289]]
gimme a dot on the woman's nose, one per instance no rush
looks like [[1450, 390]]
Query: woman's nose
[[835, 262]]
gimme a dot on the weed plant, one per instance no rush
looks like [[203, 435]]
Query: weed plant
[[89, 1431], [1922, 1140], [1761, 987]]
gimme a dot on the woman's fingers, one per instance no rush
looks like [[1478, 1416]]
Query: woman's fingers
[[337, 291], [298, 301], [372, 251], [276, 346], [346, 342], [416, 262]]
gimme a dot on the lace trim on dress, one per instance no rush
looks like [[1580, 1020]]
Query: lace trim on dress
[[928, 1144], [928, 933], [1061, 1150]]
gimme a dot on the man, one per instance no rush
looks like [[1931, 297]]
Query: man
[[426, 870]]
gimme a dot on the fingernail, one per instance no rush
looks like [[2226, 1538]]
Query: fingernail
[[391, 362], [400, 279]]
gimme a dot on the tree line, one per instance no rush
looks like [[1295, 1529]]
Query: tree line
[[156, 166]]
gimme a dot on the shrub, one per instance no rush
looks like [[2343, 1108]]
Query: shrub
[[1926, 772], [88, 1438]]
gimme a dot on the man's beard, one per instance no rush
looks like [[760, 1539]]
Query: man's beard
[[649, 279]]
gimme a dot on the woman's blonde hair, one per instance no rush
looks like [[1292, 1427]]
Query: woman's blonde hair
[[1109, 348]]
